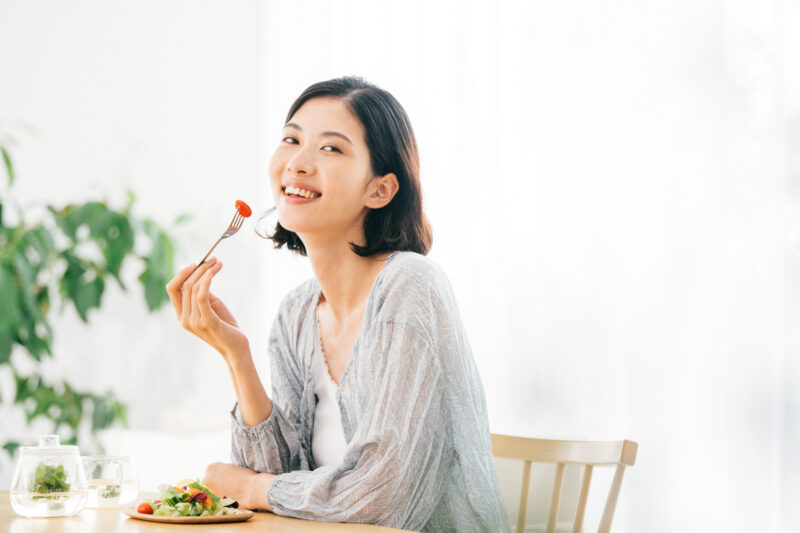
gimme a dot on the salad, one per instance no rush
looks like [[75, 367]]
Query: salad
[[188, 498]]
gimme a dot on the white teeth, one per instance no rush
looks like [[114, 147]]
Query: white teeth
[[301, 192]]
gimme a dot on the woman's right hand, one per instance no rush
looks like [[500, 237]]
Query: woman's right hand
[[202, 313]]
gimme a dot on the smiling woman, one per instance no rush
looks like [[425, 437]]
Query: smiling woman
[[377, 412], [389, 152]]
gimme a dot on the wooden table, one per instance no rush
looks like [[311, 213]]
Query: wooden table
[[114, 520]]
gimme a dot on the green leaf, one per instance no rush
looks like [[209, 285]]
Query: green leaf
[[103, 414], [49, 478], [6, 342], [11, 446], [71, 405], [78, 285], [9, 318], [117, 242], [9, 166], [88, 297], [185, 217], [27, 308], [131, 201], [158, 270], [22, 388], [39, 242], [71, 217], [44, 398]]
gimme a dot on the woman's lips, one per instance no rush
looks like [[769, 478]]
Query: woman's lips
[[301, 191], [295, 199]]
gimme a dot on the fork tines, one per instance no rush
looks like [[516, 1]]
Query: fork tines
[[237, 221]]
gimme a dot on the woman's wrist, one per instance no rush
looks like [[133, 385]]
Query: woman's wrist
[[238, 358], [257, 490]]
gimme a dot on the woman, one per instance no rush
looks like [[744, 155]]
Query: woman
[[377, 412]]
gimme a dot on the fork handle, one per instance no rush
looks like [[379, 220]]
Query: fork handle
[[206, 256]]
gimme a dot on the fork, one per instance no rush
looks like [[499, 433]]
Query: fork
[[233, 227]]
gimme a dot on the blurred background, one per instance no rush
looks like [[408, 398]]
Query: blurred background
[[613, 186]]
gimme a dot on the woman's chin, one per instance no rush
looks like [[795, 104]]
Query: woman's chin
[[293, 221], [299, 226]]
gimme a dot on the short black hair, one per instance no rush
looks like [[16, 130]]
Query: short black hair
[[400, 225]]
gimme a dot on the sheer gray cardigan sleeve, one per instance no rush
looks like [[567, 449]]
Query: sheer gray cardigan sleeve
[[276, 445], [396, 464]]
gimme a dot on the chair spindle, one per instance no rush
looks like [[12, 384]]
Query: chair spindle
[[556, 500], [611, 503], [523, 502], [583, 498]]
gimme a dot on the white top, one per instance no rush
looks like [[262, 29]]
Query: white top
[[327, 438]]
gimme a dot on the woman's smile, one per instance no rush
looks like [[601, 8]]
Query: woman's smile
[[295, 192]]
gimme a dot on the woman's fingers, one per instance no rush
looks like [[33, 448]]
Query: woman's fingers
[[186, 292], [174, 288], [201, 304]]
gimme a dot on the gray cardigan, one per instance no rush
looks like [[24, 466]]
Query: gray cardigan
[[413, 411]]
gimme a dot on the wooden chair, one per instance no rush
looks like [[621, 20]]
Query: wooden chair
[[561, 453]]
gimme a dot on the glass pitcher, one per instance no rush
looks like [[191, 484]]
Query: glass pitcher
[[49, 480]]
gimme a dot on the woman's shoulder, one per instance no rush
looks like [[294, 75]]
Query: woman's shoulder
[[297, 302], [412, 269], [411, 287]]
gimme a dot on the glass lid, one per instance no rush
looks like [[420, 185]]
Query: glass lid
[[49, 445]]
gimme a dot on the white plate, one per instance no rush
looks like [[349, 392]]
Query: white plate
[[239, 516]]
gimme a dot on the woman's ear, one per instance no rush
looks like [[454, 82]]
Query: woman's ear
[[381, 190]]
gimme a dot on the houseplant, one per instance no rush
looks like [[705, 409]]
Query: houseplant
[[65, 258]]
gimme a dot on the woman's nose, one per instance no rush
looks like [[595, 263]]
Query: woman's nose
[[300, 163]]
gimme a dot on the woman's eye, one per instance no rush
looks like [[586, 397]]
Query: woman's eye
[[332, 148], [289, 140]]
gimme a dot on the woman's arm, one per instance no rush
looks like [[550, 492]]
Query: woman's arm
[[272, 440], [246, 486], [266, 440], [204, 315], [254, 404]]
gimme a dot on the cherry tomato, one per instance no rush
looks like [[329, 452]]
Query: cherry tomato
[[243, 209], [144, 508]]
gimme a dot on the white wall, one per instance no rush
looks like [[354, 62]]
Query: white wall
[[613, 189], [162, 98]]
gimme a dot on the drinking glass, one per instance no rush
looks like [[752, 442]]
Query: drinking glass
[[111, 479]]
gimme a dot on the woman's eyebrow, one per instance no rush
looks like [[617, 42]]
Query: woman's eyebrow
[[324, 133]]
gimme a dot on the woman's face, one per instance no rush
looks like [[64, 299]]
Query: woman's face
[[320, 173]]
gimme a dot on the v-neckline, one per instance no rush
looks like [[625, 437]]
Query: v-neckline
[[320, 348], [318, 329]]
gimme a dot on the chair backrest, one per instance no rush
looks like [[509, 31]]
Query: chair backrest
[[561, 453]]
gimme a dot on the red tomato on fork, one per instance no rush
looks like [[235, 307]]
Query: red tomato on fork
[[243, 209]]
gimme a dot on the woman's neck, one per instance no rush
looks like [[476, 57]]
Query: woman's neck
[[345, 277]]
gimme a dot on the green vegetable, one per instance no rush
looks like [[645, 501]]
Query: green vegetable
[[164, 510], [183, 508], [224, 502], [199, 486], [48, 479]]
